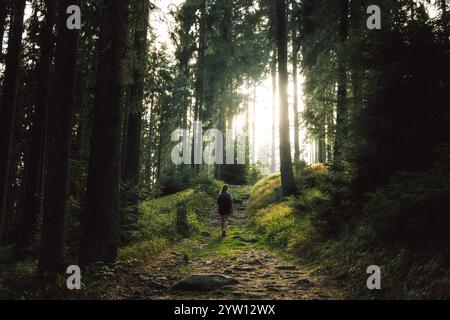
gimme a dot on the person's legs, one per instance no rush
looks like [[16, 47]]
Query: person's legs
[[225, 223], [222, 222]]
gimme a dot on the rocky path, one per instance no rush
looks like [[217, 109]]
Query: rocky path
[[235, 267]]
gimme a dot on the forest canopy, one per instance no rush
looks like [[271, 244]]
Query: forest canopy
[[87, 116]]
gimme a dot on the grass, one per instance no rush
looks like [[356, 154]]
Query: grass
[[229, 246], [294, 225], [286, 222], [155, 235], [265, 192], [157, 228]]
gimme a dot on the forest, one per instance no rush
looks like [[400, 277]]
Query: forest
[[334, 124]]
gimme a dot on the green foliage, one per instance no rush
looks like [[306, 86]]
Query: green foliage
[[278, 223], [264, 193], [18, 281], [299, 165], [287, 222], [207, 184], [156, 227], [254, 174], [412, 209], [175, 179], [229, 245], [402, 227], [234, 173]]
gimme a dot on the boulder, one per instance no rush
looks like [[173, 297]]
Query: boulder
[[304, 282], [244, 269], [155, 285], [203, 283], [243, 239], [286, 268]]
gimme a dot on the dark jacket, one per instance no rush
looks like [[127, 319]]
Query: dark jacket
[[225, 202]]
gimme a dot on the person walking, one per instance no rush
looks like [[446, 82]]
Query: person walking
[[225, 203]]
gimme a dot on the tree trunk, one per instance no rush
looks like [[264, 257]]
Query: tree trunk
[[287, 177], [274, 110], [199, 85], [322, 150], [148, 162], [224, 77], [100, 225], [33, 186], [132, 165], [221, 125], [444, 17], [124, 125], [160, 149], [295, 50], [4, 10], [356, 77], [133, 147], [254, 156], [9, 99], [247, 129], [59, 146], [341, 112], [200, 75]]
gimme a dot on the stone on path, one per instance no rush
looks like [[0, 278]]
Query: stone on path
[[203, 283], [304, 282], [155, 285], [253, 262], [273, 288], [243, 239], [244, 269], [286, 268]]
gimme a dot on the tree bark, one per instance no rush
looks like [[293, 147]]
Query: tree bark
[[444, 17], [4, 10], [100, 224], [274, 110], [287, 177], [132, 165], [33, 186], [59, 133], [224, 77], [200, 75], [199, 85], [9, 99], [133, 151], [247, 129], [341, 107], [356, 77], [149, 157], [295, 50], [322, 150], [254, 156]]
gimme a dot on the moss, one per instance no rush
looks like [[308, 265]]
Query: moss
[[294, 225], [265, 193], [157, 227], [229, 245]]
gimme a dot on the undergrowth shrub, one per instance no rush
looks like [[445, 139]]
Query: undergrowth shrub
[[156, 226], [207, 184], [401, 226], [414, 208], [265, 192]]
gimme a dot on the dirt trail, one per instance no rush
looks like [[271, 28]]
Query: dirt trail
[[260, 272]]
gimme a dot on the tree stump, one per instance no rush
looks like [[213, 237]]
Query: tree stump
[[182, 227]]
